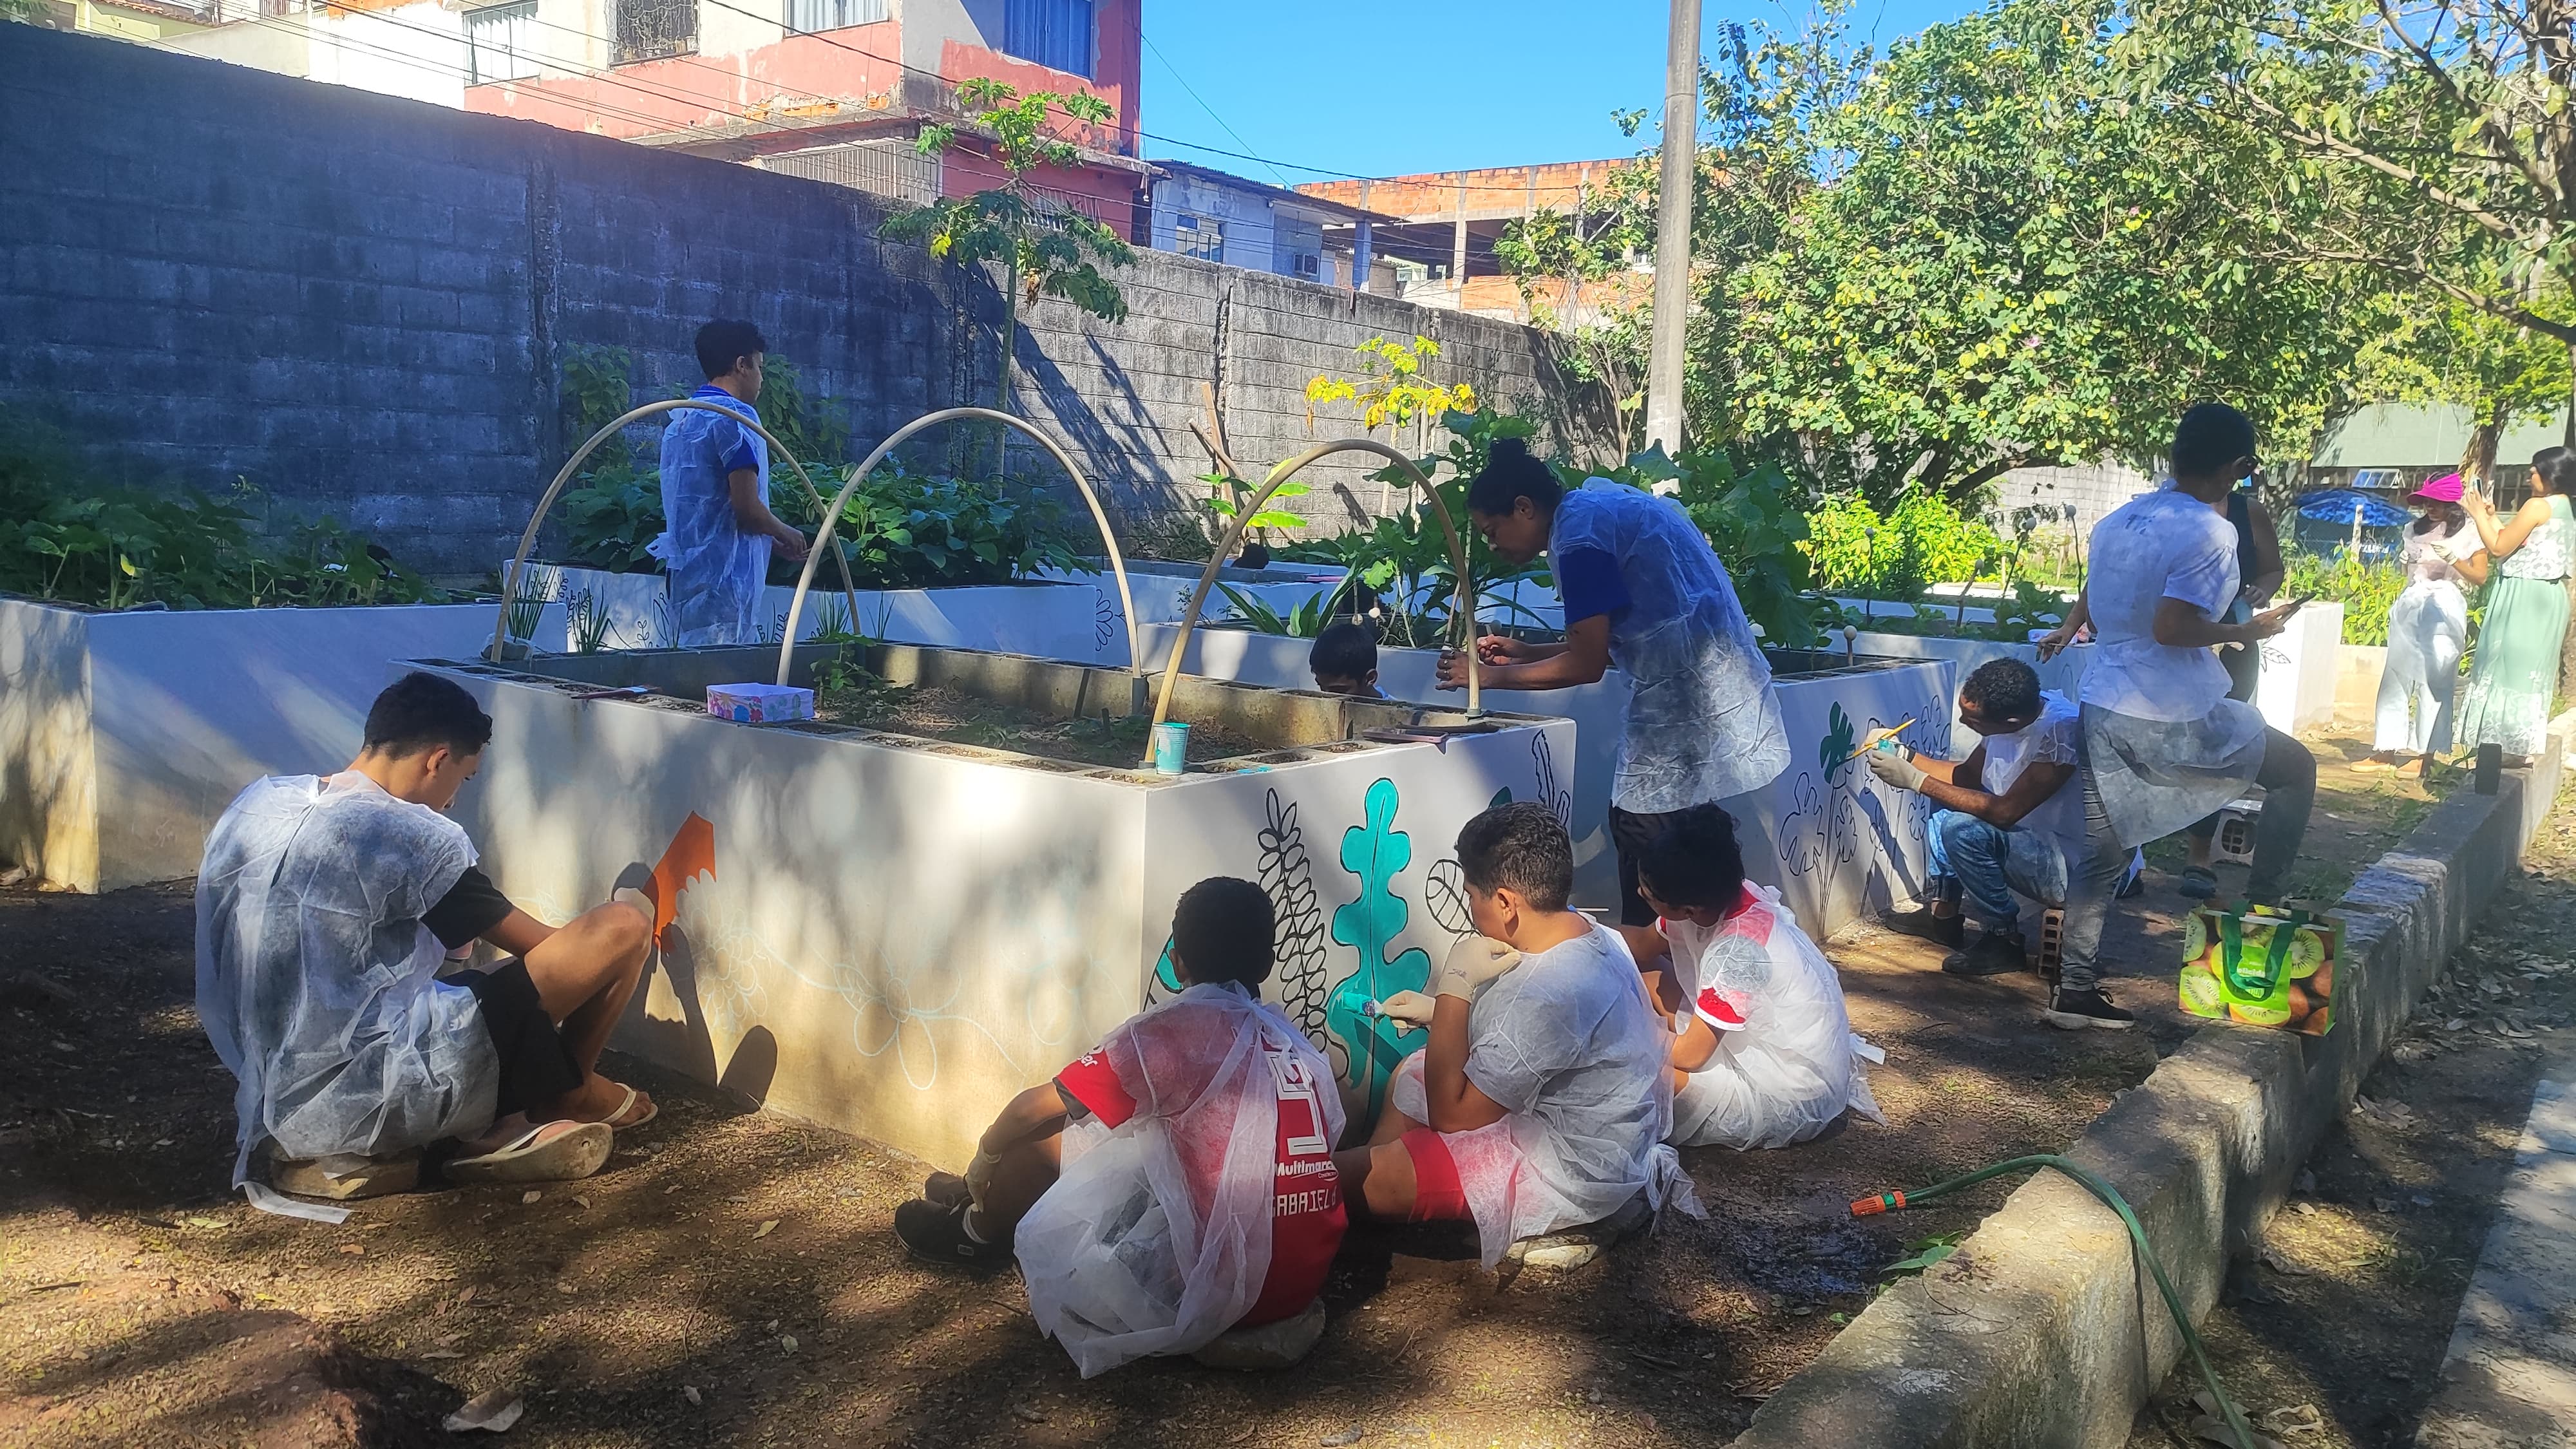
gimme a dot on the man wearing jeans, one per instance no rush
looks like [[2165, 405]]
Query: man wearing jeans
[[2164, 745], [2011, 816]]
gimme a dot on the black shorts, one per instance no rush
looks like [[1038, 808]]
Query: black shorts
[[1629, 836], [536, 1067]]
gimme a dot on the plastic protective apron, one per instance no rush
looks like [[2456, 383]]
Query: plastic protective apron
[[718, 573], [1791, 1064], [1122, 1257], [1599, 1140], [1703, 723], [316, 981]]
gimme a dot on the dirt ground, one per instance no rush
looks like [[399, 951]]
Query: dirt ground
[[2350, 1307], [939, 713], [731, 1276]]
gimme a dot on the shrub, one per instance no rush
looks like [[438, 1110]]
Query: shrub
[[66, 537], [1923, 540], [2364, 589]]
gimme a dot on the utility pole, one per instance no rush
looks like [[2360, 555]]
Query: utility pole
[[1673, 229]]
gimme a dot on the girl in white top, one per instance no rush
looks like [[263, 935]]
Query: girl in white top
[[1763, 1051], [2428, 629]]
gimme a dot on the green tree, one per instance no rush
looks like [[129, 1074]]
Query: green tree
[[2432, 142], [2440, 350], [1571, 268], [1985, 257], [1044, 249]]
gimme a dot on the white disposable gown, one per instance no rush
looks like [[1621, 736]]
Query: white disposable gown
[[316, 981], [1787, 1063], [1703, 722], [1156, 1237], [1566, 1043], [718, 574]]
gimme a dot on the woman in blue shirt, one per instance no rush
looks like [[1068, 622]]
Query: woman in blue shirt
[[1643, 591]]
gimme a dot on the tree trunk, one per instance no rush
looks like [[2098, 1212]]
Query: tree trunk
[[2477, 462]]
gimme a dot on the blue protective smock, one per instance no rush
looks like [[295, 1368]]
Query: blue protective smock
[[1703, 723], [717, 571]]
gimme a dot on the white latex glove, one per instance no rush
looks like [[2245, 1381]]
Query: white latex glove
[[1896, 767], [1410, 1007], [1472, 962]]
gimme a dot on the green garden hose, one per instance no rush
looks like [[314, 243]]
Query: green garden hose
[[1889, 1202]]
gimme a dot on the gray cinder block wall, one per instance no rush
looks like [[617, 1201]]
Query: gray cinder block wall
[[362, 304]]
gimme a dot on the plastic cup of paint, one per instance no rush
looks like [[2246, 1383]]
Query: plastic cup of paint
[[1171, 748]]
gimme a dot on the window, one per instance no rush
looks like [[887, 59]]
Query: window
[[1306, 264], [501, 42], [808, 16], [1054, 33], [655, 29], [1199, 236]]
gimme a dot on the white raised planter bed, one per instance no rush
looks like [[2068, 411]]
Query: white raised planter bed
[[1072, 618], [892, 935], [124, 735], [1831, 837]]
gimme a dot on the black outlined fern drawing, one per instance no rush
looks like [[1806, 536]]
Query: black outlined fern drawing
[[1289, 876], [1560, 801]]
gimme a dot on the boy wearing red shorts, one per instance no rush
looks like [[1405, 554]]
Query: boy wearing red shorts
[[1174, 1183], [1543, 1099]]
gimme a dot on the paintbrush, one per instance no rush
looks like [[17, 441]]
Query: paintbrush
[[1865, 749]]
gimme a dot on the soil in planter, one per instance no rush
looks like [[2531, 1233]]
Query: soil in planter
[[939, 713]]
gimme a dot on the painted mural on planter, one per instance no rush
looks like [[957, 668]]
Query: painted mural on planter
[[893, 935]]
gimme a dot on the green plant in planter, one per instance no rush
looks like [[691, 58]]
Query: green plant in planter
[[1305, 621], [613, 518]]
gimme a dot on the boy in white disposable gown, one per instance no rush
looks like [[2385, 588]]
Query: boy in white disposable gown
[[1541, 1105], [325, 910], [1174, 1184], [1764, 1055]]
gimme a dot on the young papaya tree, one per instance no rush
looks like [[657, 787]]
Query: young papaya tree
[[1044, 249]]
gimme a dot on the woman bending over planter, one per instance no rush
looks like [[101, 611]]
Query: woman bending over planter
[[326, 908]]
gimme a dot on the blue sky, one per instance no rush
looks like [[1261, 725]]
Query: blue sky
[[1432, 85]]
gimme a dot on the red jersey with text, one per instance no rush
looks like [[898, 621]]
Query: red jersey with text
[[1307, 1217]]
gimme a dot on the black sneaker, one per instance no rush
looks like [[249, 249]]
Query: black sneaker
[[939, 1234], [1922, 925], [945, 1189], [2076, 1010], [1997, 953]]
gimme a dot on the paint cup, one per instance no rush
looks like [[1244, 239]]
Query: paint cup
[[1171, 748]]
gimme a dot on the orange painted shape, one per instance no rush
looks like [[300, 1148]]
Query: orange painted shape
[[691, 853]]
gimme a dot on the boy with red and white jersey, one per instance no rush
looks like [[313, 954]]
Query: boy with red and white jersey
[[1764, 1054], [1174, 1183]]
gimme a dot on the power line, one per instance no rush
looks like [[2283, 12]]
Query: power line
[[347, 44], [787, 29], [1203, 105]]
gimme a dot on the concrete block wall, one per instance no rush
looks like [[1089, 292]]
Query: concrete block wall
[[362, 304]]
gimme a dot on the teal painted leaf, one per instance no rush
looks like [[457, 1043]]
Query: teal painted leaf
[[1376, 852]]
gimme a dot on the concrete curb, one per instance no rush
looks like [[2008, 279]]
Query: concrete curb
[[2044, 1329]]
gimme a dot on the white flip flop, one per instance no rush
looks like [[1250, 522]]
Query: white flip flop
[[651, 1111], [567, 1155]]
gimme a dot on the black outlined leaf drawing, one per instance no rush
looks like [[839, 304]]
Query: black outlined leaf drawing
[[1289, 877], [1446, 896], [1560, 801], [1802, 830]]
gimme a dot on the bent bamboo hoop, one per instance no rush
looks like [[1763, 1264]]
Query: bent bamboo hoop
[[1242, 520], [832, 516], [528, 540]]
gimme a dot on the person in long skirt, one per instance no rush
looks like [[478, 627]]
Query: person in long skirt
[[2428, 631], [2515, 677]]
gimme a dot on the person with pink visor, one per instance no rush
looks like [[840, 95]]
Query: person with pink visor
[[2428, 629]]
